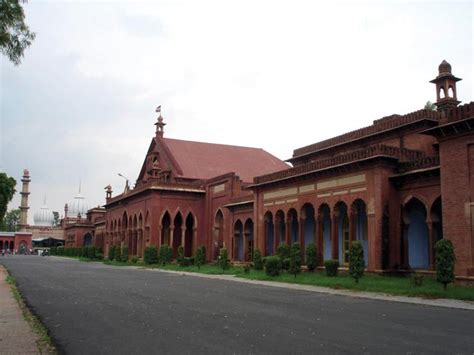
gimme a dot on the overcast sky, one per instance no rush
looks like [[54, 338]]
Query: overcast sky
[[271, 74]]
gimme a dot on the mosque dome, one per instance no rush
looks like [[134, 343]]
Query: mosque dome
[[78, 206], [44, 217]]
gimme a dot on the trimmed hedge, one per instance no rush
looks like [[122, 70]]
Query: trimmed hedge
[[356, 260], [92, 253], [295, 259], [331, 267], [445, 260], [151, 255], [257, 260], [311, 256], [165, 254], [273, 265], [224, 262], [200, 256]]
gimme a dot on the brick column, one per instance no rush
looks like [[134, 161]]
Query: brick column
[[334, 236]]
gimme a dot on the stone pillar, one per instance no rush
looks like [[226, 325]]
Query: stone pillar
[[335, 236], [24, 200], [429, 223], [287, 232], [320, 239], [352, 225]]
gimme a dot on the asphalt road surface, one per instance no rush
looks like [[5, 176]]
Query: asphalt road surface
[[91, 308]]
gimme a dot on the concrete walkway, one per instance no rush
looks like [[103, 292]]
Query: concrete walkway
[[447, 303], [16, 335]]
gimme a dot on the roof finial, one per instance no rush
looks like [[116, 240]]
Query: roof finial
[[160, 124]]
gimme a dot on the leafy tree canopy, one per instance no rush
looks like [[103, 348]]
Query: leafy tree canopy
[[15, 36], [7, 190], [11, 221], [430, 106]]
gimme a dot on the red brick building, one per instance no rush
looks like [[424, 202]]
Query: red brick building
[[15, 242], [398, 186]]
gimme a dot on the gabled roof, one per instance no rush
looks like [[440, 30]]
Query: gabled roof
[[198, 160]]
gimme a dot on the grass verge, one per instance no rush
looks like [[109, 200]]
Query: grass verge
[[44, 342], [392, 285]]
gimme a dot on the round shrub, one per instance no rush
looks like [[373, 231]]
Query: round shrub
[[200, 256], [257, 260], [356, 260], [283, 251], [273, 266], [134, 259], [112, 252], [295, 259], [124, 254], [180, 256], [311, 256], [445, 260], [118, 253], [165, 254], [224, 259], [151, 255], [331, 267]]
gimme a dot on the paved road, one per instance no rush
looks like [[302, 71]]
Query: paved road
[[91, 308]]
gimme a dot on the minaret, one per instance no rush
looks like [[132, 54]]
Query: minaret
[[160, 125], [24, 200], [446, 96]]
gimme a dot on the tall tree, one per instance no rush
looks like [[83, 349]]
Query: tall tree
[[15, 36], [430, 106], [7, 190], [12, 220]]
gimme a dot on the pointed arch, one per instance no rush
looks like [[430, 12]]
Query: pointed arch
[[308, 224], [325, 235], [189, 235], [280, 228], [218, 234], [342, 238], [269, 233], [178, 231], [415, 234], [292, 219], [238, 241], [248, 240], [360, 225], [165, 224]]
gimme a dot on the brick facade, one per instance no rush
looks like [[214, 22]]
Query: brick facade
[[398, 186]]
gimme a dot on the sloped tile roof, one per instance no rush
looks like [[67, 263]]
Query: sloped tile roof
[[200, 160]]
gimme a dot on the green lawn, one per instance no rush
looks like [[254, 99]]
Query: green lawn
[[394, 285]]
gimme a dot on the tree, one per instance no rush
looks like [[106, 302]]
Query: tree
[[56, 219], [311, 256], [200, 256], [15, 36], [295, 259], [430, 106], [224, 261], [445, 259], [356, 260], [11, 221], [7, 190], [257, 260]]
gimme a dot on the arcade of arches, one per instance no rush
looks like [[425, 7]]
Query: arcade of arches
[[397, 186]]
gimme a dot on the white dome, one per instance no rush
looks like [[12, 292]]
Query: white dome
[[78, 206], [44, 217]]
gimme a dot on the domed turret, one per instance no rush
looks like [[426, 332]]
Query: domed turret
[[44, 217], [444, 67]]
